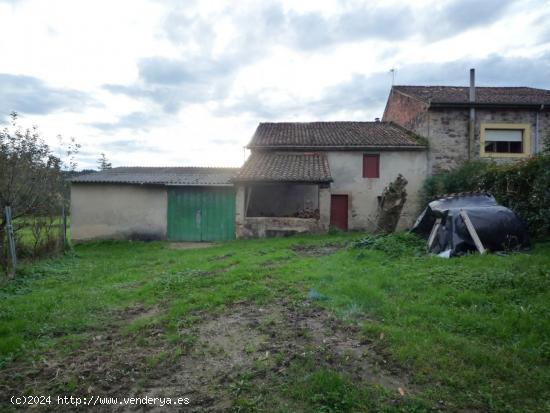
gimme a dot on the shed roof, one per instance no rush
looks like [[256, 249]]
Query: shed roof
[[285, 167], [440, 95], [187, 176], [332, 135]]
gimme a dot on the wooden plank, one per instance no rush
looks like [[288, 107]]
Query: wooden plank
[[433, 233], [472, 231]]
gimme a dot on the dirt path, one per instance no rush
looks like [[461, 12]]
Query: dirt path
[[244, 339]]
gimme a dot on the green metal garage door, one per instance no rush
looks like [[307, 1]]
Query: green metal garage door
[[201, 214]]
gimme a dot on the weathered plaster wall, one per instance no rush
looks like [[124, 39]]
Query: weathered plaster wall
[[346, 170], [281, 200], [104, 211]]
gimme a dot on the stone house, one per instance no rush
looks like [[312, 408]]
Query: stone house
[[466, 123], [305, 177]]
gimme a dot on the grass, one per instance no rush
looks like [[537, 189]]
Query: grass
[[472, 332]]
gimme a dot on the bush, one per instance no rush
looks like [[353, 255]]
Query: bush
[[524, 187], [395, 244]]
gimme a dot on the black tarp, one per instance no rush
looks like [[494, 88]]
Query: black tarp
[[498, 227]]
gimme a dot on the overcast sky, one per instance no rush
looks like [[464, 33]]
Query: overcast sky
[[182, 83]]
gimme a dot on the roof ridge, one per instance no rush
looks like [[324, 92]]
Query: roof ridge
[[173, 167]]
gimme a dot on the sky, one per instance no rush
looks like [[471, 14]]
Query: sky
[[185, 83]]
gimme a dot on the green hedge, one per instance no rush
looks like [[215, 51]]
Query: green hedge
[[524, 187]]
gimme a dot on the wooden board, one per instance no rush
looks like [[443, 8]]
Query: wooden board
[[472, 232]]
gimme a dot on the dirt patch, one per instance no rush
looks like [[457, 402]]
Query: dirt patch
[[316, 250], [190, 245], [272, 337], [244, 338]]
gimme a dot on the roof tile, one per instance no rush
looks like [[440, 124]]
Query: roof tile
[[484, 95], [160, 176], [332, 134], [285, 167]]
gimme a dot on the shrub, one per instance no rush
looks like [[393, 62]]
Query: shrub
[[524, 187], [395, 244]]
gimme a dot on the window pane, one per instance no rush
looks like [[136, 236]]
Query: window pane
[[489, 146], [516, 147], [502, 147]]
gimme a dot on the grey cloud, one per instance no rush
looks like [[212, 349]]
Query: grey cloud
[[313, 30], [369, 93], [130, 145], [172, 83], [462, 15], [27, 94], [268, 24], [134, 121]]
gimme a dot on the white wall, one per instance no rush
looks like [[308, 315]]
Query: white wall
[[347, 171], [107, 211]]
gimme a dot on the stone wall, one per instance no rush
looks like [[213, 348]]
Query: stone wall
[[447, 132]]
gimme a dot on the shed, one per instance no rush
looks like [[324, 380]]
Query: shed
[[154, 203]]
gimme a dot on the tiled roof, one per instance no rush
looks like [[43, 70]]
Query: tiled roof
[[317, 135], [484, 95], [161, 176], [285, 167]]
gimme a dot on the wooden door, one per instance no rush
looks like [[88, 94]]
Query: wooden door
[[339, 211], [201, 214]]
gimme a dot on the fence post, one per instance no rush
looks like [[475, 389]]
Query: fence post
[[11, 241]]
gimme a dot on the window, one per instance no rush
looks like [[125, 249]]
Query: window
[[502, 140], [371, 166]]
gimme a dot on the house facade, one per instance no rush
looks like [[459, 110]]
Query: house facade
[[310, 176], [467, 123], [306, 177]]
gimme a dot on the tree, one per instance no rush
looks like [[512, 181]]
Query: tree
[[104, 163], [30, 177]]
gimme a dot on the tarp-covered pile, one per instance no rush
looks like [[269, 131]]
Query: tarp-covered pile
[[457, 224]]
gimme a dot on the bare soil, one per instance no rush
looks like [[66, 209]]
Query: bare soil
[[244, 338], [317, 250]]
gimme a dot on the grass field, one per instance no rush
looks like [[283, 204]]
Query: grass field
[[300, 324]]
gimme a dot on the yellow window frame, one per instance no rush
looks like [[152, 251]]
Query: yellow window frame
[[525, 127]]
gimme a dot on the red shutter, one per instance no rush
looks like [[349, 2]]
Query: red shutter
[[371, 166]]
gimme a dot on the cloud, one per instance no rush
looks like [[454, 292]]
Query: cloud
[[462, 15], [314, 31], [172, 83], [134, 121], [368, 93], [30, 95]]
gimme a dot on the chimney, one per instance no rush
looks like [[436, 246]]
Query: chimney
[[377, 119], [472, 85]]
